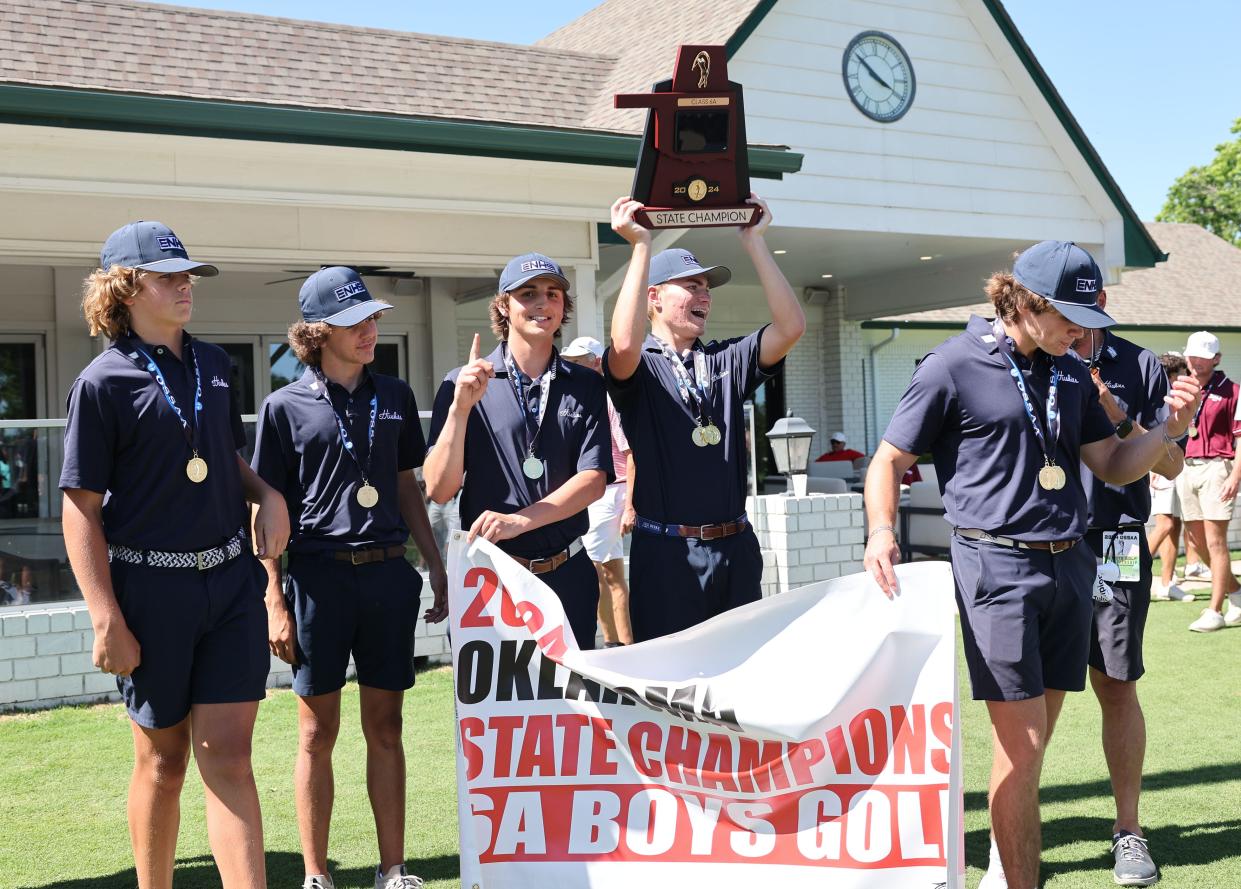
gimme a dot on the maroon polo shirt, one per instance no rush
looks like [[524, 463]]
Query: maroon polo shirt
[[1217, 423]]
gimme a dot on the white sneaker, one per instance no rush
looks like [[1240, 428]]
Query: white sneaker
[[1232, 617], [994, 877], [1197, 571], [396, 878], [1208, 622], [1176, 594], [318, 881], [1159, 592]]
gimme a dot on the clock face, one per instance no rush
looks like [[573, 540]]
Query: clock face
[[878, 76]]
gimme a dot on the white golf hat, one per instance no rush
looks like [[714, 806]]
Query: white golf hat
[[1202, 344], [583, 346]]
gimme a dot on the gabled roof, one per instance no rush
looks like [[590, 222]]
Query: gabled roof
[[145, 48], [1198, 287], [145, 67], [644, 37]]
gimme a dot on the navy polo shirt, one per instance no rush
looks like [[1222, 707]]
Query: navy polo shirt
[[677, 481], [299, 453], [963, 406], [124, 441], [1138, 383], [574, 438]]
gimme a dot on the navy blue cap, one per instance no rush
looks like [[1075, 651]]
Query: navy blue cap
[[338, 297], [152, 247], [525, 268], [677, 263], [1067, 277]]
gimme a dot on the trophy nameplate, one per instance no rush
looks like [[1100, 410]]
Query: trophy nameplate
[[693, 170]]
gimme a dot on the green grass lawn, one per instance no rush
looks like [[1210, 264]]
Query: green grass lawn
[[63, 776]]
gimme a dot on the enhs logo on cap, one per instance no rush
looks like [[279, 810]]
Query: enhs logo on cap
[[345, 291], [1086, 285], [533, 264], [171, 242], [689, 259]]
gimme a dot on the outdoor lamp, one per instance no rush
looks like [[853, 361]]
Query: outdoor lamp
[[790, 443]]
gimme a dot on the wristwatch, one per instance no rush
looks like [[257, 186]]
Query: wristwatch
[[1124, 427]]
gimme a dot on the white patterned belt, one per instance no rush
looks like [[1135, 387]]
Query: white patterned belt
[[202, 560]]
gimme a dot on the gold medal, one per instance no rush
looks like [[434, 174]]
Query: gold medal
[[712, 434], [1051, 478], [1193, 431], [196, 469], [532, 468], [367, 495], [699, 436]]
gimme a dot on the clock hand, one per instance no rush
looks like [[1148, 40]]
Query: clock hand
[[872, 73]]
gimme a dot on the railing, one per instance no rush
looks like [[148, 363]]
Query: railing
[[34, 568]]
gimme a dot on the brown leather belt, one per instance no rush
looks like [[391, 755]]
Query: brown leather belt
[[363, 556], [552, 562], [1052, 546], [701, 532]]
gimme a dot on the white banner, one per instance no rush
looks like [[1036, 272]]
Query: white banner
[[805, 740]]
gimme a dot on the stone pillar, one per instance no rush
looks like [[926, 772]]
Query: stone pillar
[[844, 359], [806, 539]]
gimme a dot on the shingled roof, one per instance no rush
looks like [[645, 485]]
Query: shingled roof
[[1198, 287], [208, 54], [640, 63]]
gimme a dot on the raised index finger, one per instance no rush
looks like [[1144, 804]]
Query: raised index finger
[[473, 350]]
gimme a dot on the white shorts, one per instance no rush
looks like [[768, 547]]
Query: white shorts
[[1165, 501], [604, 541]]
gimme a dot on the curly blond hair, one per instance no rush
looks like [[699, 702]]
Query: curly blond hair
[[103, 299], [499, 319], [1007, 296], [307, 339]]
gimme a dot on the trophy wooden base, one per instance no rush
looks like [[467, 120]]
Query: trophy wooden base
[[735, 216]]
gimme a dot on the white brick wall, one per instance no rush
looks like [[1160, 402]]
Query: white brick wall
[[806, 539], [45, 657], [843, 358]]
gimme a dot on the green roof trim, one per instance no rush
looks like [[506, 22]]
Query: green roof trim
[[90, 109], [752, 21], [1141, 251]]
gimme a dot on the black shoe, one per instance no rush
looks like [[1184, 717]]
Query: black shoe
[[613, 644], [1134, 865]]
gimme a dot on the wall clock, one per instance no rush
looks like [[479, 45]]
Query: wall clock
[[878, 76]]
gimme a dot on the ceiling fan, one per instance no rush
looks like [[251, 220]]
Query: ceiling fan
[[365, 271]]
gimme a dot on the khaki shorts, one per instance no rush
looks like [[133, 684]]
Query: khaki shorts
[[1199, 486]]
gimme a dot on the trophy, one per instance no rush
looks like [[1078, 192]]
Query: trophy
[[693, 170]]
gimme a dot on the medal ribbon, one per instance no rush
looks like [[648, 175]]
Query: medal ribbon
[[344, 432], [191, 432], [1215, 379], [1053, 412], [694, 390], [517, 378]]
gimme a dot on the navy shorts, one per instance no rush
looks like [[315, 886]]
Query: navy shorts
[[369, 611], [203, 636], [576, 584], [1025, 618], [1118, 627], [678, 582]]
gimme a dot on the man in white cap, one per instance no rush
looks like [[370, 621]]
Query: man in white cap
[[611, 516], [1208, 486], [840, 452]]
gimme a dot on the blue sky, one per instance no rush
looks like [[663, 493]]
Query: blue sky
[[1154, 86]]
